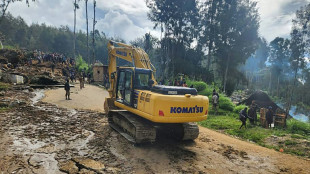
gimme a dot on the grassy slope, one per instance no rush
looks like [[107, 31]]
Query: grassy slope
[[295, 139]]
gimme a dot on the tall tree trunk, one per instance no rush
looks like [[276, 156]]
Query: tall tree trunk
[[291, 97], [226, 71], [87, 33], [74, 42], [94, 23], [269, 87], [1, 46], [278, 86]]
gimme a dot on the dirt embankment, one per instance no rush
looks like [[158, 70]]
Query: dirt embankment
[[42, 138]]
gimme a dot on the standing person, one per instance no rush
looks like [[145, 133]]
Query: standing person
[[176, 83], [243, 116], [84, 76], [169, 83], [269, 116], [81, 81], [215, 100], [53, 68], [252, 113], [184, 84], [67, 88]]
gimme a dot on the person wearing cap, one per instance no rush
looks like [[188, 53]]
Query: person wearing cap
[[269, 116]]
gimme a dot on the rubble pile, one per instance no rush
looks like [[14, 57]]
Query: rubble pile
[[32, 74], [11, 56]]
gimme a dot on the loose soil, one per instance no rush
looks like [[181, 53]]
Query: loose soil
[[72, 136]]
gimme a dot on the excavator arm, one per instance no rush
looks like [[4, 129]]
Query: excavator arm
[[137, 56]]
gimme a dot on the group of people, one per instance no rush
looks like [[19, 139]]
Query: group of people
[[176, 82], [52, 57], [252, 115]]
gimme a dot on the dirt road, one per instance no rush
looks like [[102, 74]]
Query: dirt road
[[40, 137], [90, 97]]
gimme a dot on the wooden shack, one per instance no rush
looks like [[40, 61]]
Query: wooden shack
[[99, 71]]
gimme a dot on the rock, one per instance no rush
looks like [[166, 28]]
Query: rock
[[85, 171], [43, 80], [90, 164], [35, 161], [4, 104], [68, 167], [16, 103]]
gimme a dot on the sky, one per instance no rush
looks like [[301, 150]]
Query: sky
[[127, 19]]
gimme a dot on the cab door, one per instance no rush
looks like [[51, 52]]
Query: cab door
[[124, 87]]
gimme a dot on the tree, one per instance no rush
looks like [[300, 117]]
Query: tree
[[299, 41], [76, 6], [279, 60], [178, 20], [237, 39], [208, 25], [94, 23], [5, 4]]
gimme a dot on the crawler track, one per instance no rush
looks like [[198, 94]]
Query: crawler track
[[133, 128]]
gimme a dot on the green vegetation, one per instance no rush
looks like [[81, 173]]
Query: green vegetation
[[4, 86], [81, 64], [238, 108], [229, 123], [298, 127]]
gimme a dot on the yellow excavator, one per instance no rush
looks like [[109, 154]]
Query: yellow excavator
[[137, 106]]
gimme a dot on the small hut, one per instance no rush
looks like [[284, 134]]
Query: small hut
[[261, 99], [99, 71]]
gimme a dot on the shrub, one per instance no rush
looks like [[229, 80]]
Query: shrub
[[4, 86], [298, 127], [225, 103], [207, 92], [81, 64], [200, 86], [238, 108]]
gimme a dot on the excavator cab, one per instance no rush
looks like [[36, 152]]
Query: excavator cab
[[129, 81]]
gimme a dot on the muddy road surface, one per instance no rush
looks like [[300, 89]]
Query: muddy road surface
[[42, 137]]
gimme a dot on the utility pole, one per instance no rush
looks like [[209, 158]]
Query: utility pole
[[94, 23], [87, 33], [74, 42]]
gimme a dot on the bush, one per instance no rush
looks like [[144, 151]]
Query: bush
[[4, 86], [200, 86], [238, 108], [298, 127], [81, 64], [207, 92], [225, 103]]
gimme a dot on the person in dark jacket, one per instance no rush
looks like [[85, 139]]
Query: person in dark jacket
[[67, 88], [243, 116], [252, 113], [269, 116]]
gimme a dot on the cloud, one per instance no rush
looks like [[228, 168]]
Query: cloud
[[128, 18], [276, 17], [121, 18]]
